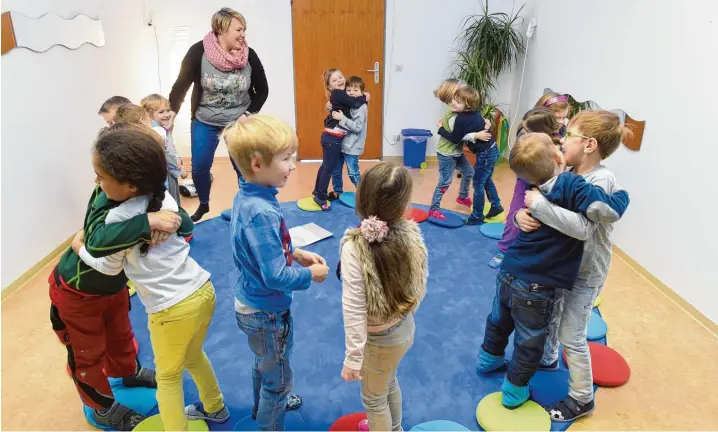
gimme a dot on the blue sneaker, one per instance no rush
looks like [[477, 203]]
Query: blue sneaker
[[497, 260], [513, 396], [197, 412], [488, 362]]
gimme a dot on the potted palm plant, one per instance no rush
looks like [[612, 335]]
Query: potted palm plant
[[489, 43]]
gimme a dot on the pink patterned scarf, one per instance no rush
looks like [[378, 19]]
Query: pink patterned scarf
[[221, 59]]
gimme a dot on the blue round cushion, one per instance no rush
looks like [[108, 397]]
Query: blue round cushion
[[348, 199], [439, 425], [549, 387], [227, 214], [493, 230], [597, 327], [453, 220], [141, 399]]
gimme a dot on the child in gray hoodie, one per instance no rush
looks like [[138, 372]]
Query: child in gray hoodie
[[353, 142]]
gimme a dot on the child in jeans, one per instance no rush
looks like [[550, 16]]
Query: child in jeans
[[176, 292], [158, 108], [384, 269], [353, 142], [262, 147], [450, 150], [538, 264], [591, 137]]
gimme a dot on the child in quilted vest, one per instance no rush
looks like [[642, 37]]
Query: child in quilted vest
[[384, 271]]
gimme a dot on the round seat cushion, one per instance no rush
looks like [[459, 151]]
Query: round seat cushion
[[439, 425], [348, 199], [453, 220], [154, 423], [597, 327], [493, 416], [610, 369], [308, 204], [416, 214], [349, 422], [492, 230]]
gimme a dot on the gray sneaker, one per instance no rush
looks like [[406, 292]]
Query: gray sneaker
[[197, 412], [118, 417]]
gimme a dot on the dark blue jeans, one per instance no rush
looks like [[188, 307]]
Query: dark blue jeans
[[271, 339], [331, 154], [483, 170], [205, 139], [525, 307], [352, 162], [447, 165]]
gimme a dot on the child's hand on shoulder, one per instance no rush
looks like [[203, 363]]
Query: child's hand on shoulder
[[440, 123], [350, 374], [531, 196], [487, 124], [337, 115], [526, 222], [482, 136], [164, 220], [328, 106], [78, 241], [367, 96]]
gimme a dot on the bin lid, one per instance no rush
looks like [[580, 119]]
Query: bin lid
[[416, 132]]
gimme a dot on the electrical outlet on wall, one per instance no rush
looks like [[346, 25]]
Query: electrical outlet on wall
[[397, 138]]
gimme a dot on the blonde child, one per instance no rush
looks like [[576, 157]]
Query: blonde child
[[262, 147], [384, 272], [591, 137], [558, 104], [333, 133], [176, 292], [158, 108]]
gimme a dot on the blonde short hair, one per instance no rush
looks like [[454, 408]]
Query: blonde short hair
[[447, 90], [130, 113], [223, 18], [262, 135], [154, 103], [533, 158]]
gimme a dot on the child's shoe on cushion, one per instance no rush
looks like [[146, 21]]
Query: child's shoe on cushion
[[569, 409], [143, 378], [513, 396], [197, 412], [436, 214], [494, 211]]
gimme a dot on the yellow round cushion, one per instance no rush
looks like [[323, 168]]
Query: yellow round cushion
[[308, 204], [492, 416], [154, 423], [131, 288], [597, 302]]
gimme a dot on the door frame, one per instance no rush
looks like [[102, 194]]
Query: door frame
[[383, 77]]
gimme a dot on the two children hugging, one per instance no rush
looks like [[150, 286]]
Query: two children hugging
[[345, 121], [464, 123], [526, 289]]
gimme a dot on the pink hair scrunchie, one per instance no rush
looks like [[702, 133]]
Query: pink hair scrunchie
[[373, 229]]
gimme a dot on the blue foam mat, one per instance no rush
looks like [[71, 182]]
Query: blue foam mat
[[435, 385]]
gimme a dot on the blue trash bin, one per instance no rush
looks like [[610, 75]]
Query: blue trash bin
[[415, 146]]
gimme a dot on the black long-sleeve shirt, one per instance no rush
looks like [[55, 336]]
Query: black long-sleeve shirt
[[191, 73], [341, 101]]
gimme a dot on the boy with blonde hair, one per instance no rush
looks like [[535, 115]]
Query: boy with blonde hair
[[537, 264], [158, 108], [262, 147], [109, 108]]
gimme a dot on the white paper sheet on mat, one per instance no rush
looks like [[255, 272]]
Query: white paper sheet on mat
[[305, 235]]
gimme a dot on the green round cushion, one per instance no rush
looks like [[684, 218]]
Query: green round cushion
[[493, 416]]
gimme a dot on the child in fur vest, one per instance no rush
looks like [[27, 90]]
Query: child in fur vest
[[384, 271]]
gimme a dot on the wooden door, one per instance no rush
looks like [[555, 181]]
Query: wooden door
[[348, 35]]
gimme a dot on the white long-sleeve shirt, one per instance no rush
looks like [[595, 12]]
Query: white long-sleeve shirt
[[165, 275]]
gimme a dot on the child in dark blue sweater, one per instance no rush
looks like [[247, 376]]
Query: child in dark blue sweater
[[538, 263]]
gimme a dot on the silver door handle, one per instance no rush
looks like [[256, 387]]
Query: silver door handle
[[376, 72]]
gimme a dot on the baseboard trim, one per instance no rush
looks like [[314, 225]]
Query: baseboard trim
[[34, 270], [668, 292]]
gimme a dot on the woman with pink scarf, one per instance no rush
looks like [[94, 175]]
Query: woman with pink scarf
[[229, 83]]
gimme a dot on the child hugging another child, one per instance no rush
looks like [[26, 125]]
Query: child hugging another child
[[158, 108], [458, 124], [353, 142], [558, 105], [333, 133], [384, 271], [591, 136], [177, 293], [262, 147], [538, 264], [109, 108]]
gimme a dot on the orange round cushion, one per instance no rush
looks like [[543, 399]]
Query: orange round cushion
[[349, 422], [610, 369]]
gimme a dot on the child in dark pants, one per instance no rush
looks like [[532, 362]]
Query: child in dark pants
[[333, 134], [537, 264]]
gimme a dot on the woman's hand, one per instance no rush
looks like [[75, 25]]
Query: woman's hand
[[526, 222], [337, 115], [350, 374], [482, 136], [531, 196], [78, 241], [328, 106]]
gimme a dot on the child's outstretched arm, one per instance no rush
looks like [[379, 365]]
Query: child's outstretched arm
[[340, 97], [265, 242]]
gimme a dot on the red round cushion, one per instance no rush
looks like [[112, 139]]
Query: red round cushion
[[416, 214], [349, 422], [610, 369]]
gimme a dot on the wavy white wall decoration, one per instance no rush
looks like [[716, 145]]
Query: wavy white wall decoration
[[42, 33]]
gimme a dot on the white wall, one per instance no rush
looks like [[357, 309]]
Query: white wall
[[269, 33], [657, 61], [420, 35], [49, 121]]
